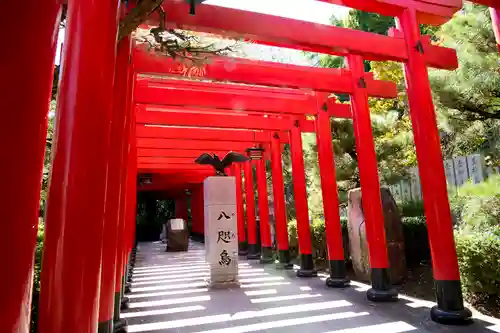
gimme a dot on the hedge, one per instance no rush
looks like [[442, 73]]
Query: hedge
[[477, 208], [414, 231]]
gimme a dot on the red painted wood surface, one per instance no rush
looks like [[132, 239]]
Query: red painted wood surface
[[264, 73], [74, 221], [277, 31], [25, 89]]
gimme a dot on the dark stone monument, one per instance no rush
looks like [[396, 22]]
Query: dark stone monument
[[177, 235]]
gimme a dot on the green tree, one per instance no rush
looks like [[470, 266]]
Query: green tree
[[468, 99]]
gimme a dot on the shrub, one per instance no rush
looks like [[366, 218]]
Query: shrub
[[479, 260], [416, 240], [477, 209], [477, 206], [318, 239], [411, 208]]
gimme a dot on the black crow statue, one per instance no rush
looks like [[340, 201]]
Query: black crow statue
[[220, 165]]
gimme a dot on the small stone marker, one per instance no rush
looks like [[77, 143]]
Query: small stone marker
[[177, 235]]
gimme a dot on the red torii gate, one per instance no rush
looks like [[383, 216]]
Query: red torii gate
[[207, 95], [84, 107]]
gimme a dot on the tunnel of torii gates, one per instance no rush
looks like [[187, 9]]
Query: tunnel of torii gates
[[110, 128]]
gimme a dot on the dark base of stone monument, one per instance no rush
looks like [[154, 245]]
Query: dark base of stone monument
[[253, 252], [242, 249], [170, 249], [120, 326], [177, 240], [337, 278], [125, 303], [450, 305], [382, 290], [266, 255], [307, 266]]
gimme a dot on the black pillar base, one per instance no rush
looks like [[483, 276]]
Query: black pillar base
[[242, 249], [105, 327], [284, 260], [120, 326], [266, 256], [450, 308], [125, 303], [337, 278], [253, 252], [382, 290], [307, 266]]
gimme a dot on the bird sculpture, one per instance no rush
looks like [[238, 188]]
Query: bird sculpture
[[220, 165]]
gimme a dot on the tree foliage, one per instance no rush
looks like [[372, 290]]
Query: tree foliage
[[468, 99]]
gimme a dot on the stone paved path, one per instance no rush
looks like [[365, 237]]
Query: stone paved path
[[168, 295]]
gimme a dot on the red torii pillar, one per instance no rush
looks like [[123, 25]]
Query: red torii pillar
[[131, 203], [370, 187], [253, 251], [301, 207], [280, 218], [75, 211], [119, 291], [333, 229], [240, 211], [266, 256], [25, 88], [111, 222], [450, 307]]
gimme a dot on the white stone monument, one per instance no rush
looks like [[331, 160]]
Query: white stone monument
[[406, 191], [221, 243], [449, 169], [475, 167], [396, 192], [461, 174], [416, 190]]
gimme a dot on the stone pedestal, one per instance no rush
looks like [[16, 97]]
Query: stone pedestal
[[177, 235], [358, 246], [221, 243]]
